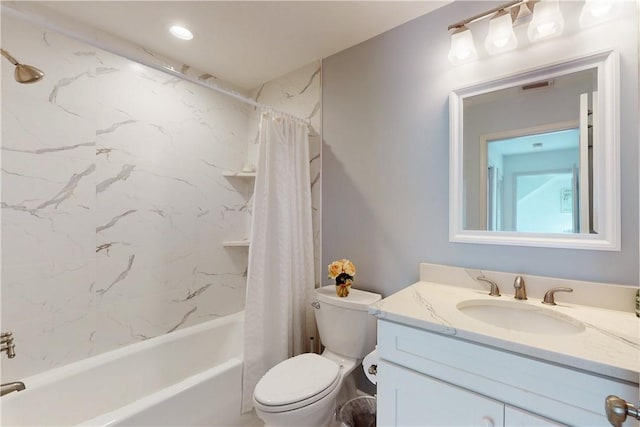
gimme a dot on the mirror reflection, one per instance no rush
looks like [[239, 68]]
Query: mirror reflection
[[528, 154]]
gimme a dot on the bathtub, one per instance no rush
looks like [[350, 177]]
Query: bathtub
[[189, 377]]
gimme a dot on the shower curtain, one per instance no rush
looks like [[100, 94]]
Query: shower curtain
[[280, 280]]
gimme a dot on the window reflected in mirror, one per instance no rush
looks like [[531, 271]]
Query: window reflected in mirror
[[533, 183]]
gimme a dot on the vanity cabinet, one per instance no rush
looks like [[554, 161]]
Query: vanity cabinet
[[435, 379], [421, 400], [515, 417], [414, 399]]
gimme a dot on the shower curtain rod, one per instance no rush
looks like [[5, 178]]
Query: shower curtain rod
[[203, 83], [221, 90], [121, 47]]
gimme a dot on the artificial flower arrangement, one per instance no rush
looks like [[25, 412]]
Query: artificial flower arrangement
[[343, 271]]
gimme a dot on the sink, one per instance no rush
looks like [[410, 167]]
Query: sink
[[520, 316]]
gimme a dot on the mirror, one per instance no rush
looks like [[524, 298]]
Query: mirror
[[534, 158]]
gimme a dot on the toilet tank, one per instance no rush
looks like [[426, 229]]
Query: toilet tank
[[345, 325]]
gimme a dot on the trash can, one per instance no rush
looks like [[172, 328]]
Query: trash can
[[359, 412]]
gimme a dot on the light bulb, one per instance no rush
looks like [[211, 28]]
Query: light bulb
[[546, 29], [547, 21], [501, 37], [601, 10], [462, 46], [597, 11], [500, 43]]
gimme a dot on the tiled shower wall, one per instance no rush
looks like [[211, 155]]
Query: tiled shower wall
[[114, 203]]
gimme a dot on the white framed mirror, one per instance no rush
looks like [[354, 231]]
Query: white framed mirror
[[534, 157]]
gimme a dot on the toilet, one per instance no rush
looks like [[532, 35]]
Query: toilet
[[302, 390]]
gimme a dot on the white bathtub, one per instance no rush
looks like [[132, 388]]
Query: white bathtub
[[189, 377]]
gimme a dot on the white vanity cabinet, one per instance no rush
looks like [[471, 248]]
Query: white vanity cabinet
[[515, 417], [421, 400], [408, 398], [436, 379]]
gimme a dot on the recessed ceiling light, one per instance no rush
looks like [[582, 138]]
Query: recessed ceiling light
[[181, 32]]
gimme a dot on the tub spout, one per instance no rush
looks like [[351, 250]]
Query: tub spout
[[11, 387]]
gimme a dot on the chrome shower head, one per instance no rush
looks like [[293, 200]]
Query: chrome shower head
[[23, 73]]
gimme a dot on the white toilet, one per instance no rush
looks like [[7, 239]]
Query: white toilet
[[302, 390]]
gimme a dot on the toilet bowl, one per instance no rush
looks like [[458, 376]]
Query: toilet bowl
[[302, 390]]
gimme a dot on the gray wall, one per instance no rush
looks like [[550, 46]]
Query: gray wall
[[386, 150]]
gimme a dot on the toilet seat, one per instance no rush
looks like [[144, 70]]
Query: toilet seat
[[296, 382]]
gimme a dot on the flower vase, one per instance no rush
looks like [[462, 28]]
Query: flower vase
[[343, 285], [343, 271], [343, 290]]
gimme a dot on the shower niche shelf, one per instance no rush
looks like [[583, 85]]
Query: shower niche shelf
[[231, 174], [236, 244], [244, 185]]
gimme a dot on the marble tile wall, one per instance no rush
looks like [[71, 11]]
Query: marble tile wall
[[114, 206]]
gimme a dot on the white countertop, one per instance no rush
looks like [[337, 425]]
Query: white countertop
[[609, 345]]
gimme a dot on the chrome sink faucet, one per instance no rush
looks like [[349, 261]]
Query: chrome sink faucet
[[518, 285], [495, 291]]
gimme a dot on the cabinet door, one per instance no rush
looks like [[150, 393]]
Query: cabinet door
[[407, 398], [514, 417]]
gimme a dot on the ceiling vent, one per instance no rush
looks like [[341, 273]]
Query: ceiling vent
[[545, 84]]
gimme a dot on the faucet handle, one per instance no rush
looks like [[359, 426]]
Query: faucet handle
[[495, 291], [6, 340], [549, 297]]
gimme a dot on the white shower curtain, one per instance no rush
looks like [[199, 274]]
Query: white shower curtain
[[280, 276]]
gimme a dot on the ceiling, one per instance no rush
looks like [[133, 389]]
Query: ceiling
[[245, 42]]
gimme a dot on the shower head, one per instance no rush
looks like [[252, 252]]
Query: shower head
[[24, 73]]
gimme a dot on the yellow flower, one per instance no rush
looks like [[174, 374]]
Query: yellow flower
[[348, 267], [335, 268], [341, 266]]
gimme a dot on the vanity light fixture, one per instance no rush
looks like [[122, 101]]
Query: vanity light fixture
[[596, 11], [547, 21], [462, 46], [544, 18], [501, 37], [181, 32]]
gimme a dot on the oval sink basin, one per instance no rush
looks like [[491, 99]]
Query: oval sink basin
[[519, 316]]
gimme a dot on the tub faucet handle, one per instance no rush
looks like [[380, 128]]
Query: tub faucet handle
[[6, 340]]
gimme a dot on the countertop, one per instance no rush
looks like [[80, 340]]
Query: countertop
[[609, 344]]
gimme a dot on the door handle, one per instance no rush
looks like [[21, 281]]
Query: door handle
[[617, 410]]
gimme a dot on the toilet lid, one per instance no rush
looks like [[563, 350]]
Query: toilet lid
[[296, 379]]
